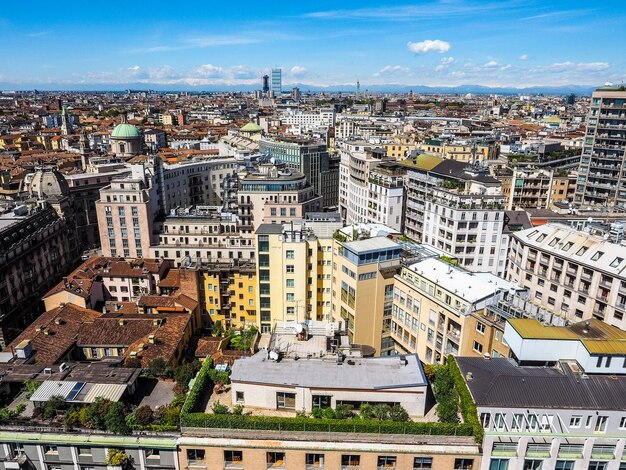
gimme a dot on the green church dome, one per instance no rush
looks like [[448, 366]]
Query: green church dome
[[251, 127], [126, 131]]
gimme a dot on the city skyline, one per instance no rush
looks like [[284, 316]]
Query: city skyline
[[430, 43]]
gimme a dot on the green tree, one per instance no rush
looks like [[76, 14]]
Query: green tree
[[95, 414], [157, 366], [343, 411], [115, 420], [54, 404], [218, 328], [381, 411], [144, 415], [30, 386], [398, 414], [183, 374], [219, 409]]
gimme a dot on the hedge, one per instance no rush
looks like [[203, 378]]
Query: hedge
[[468, 407], [202, 383], [206, 420]]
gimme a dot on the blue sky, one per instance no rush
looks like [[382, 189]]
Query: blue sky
[[447, 42]]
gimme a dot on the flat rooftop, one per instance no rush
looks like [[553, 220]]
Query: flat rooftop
[[467, 285], [371, 244], [597, 336], [374, 373]]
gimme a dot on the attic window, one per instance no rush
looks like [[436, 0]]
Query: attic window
[[533, 233], [597, 255], [616, 262], [567, 246], [541, 237], [554, 241], [582, 251]]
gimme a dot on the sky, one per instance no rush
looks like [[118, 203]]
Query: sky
[[513, 43]]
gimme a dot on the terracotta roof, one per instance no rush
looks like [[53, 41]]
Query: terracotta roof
[[156, 301], [167, 340], [62, 325], [186, 302], [209, 345]]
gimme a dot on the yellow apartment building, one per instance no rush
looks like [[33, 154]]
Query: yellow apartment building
[[440, 309]]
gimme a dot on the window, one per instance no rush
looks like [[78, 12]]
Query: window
[[575, 421], [533, 464], [290, 283], [386, 461], [314, 460], [321, 401], [289, 254], [622, 422], [499, 422], [49, 449], [478, 347], [597, 465], [17, 449], [290, 268], [291, 310], [291, 297], [152, 453], [84, 451], [464, 464], [350, 460], [480, 327], [564, 465], [601, 424], [285, 401], [239, 397], [195, 455], [276, 459], [498, 464], [233, 456], [422, 462]]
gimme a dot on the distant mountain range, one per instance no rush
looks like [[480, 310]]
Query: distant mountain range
[[460, 89]]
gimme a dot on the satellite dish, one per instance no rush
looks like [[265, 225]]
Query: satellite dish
[[299, 328], [273, 355]]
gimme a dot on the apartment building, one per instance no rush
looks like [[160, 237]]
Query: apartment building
[[440, 309], [600, 179], [310, 158], [274, 194], [576, 273], [457, 209], [37, 247], [530, 188], [294, 273], [546, 417], [230, 292], [370, 186], [460, 151], [363, 279], [126, 212], [200, 233]]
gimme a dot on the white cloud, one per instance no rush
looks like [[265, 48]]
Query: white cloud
[[209, 71], [444, 63], [392, 70], [523, 57], [491, 64], [429, 45], [298, 71], [568, 66]]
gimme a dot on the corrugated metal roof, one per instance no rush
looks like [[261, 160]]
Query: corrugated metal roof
[[499, 382], [111, 392], [51, 388]]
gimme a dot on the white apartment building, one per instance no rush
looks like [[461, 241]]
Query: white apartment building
[[577, 273], [308, 121], [458, 211], [370, 186]]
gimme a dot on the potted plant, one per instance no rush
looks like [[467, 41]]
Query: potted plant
[[117, 459]]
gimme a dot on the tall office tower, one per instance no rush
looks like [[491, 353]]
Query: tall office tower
[[600, 180], [277, 81], [266, 83]]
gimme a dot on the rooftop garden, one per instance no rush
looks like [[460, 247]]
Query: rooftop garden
[[452, 396]]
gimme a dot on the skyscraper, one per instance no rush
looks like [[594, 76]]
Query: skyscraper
[[600, 180], [277, 81], [266, 83]]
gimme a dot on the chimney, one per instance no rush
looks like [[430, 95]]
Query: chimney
[[121, 322], [151, 339]]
